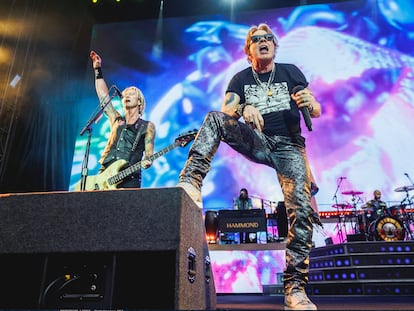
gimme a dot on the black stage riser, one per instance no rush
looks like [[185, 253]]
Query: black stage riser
[[362, 289], [363, 268], [365, 247], [352, 289], [366, 260], [104, 249], [363, 274]]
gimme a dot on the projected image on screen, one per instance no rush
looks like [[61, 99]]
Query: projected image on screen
[[358, 57]]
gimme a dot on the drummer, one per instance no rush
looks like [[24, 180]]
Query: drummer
[[376, 205]]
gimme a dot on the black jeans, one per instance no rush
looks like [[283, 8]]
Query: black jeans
[[293, 173]]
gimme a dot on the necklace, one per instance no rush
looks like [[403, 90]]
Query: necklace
[[264, 85]]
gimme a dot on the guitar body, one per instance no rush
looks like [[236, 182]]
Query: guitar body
[[113, 175], [100, 181]]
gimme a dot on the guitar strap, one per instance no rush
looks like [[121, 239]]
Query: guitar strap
[[141, 130]]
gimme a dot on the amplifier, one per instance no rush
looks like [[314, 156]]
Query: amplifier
[[253, 220]]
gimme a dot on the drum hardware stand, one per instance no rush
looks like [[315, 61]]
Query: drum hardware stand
[[354, 217], [365, 225], [408, 232], [341, 221], [341, 224], [408, 219]]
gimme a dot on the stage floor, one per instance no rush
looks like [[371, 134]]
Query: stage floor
[[268, 302]]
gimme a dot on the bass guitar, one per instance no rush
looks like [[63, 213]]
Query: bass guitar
[[115, 173]]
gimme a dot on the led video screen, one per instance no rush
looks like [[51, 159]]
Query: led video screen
[[357, 56]]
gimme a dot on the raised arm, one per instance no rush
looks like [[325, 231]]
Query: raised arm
[[101, 87]]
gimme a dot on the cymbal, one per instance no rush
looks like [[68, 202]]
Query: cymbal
[[343, 205], [352, 192], [404, 189]]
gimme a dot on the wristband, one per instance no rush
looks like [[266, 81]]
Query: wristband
[[98, 73]]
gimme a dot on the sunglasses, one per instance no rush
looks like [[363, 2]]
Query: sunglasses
[[257, 38]]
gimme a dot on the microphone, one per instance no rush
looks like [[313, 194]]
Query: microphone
[[342, 177], [406, 174], [118, 92], [304, 110]]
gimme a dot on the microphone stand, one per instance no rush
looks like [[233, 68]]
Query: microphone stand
[[339, 224], [88, 128], [408, 219]]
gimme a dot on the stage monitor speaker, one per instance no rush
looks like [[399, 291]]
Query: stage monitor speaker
[[111, 249]]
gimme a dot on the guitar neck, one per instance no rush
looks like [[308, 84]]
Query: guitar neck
[[156, 155], [135, 167]]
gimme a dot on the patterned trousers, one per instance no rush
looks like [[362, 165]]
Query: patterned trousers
[[293, 173]]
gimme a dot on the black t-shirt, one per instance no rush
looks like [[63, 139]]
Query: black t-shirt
[[280, 113]]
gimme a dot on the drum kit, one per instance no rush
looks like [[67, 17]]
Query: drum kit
[[375, 220]]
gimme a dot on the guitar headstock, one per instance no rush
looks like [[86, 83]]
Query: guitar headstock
[[185, 138]]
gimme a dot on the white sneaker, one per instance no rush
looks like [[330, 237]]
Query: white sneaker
[[296, 299], [193, 192]]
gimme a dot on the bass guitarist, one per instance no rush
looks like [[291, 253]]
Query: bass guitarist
[[131, 137]]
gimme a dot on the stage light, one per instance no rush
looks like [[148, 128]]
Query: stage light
[[211, 224], [15, 81]]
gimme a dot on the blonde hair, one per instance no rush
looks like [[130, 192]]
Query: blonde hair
[[140, 95], [250, 33]]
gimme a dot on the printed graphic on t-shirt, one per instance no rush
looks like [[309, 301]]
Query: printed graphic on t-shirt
[[277, 98]]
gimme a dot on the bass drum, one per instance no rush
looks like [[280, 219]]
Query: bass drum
[[387, 228]]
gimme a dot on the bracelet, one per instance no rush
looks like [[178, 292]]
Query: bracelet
[[98, 73], [240, 109]]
